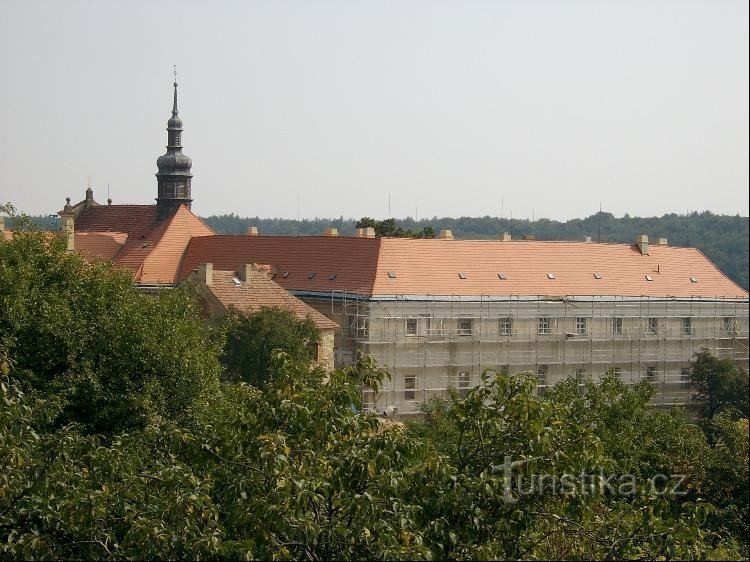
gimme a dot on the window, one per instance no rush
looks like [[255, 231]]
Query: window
[[685, 377], [617, 372], [506, 326], [410, 388], [653, 325], [504, 369], [465, 326], [545, 325], [582, 377], [411, 326], [617, 325], [464, 383], [650, 373], [358, 326], [581, 326], [729, 324], [426, 322], [541, 375], [687, 327]]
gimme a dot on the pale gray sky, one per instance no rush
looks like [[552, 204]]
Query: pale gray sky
[[552, 105]]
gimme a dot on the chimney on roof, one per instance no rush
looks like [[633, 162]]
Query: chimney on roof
[[662, 242], [368, 232], [642, 242], [331, 231], [587, 239], [445, 235], [252, 231], [243, 272], [89, 197], [67, 225], [206, 274], [506, 237]]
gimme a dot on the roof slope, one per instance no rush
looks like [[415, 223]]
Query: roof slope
[[150, 248], [432, 267], [339, 263], [261, 291]]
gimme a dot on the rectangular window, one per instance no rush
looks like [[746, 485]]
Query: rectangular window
[[411, 326], [582, 374], [410, 388], [617, 372], [650, 373], [465, 327], [541, 376], [545, 325], [506, 326], [504, 369], [685, 377], [581, 326], [653, 325], [359, 326], [426, 323], [729, 324], [687, 327], [617, 325], [464, 383]]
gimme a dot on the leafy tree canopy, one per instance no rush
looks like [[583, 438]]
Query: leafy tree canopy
[[119, 440], [252, 339], [720, 385]]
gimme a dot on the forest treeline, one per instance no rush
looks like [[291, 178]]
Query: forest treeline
[[723, 238]]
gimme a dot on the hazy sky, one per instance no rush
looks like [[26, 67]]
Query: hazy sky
[[449, 107]]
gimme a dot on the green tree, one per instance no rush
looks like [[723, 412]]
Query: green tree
[[253, 339], [719, 384], [84, 331]]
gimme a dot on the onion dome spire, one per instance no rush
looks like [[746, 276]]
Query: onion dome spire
[[174, 177]]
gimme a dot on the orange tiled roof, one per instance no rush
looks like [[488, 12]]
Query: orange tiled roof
[[352, 260], [152, 249], [259, 292], [434, 267], [99, 245]]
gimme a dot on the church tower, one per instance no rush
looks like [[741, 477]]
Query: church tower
[[173, 177]]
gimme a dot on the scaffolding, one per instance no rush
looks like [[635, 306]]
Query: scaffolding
[[433, 342]]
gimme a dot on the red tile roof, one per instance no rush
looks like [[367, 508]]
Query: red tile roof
[[261, 291], [99, 245], [433, 267], [150, 248], [352, 260]]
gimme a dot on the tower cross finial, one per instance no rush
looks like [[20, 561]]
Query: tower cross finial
[[174, 71]]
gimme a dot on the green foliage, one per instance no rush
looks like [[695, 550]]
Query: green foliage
[[117, 441], [388, 227], [719, 384], [84, 331], [253, 339]]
